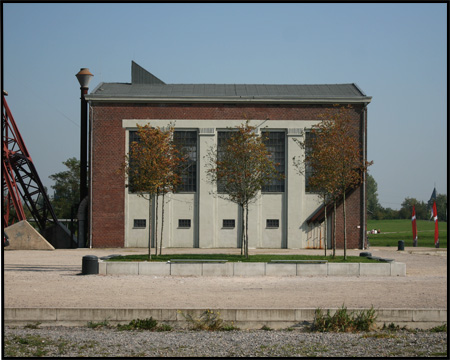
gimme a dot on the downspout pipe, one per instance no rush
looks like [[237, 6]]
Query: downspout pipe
[[364, 197]]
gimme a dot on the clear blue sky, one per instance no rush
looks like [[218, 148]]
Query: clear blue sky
[[396, 53]]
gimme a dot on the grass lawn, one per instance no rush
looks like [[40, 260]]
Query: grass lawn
[[235, 258], [394, 230]]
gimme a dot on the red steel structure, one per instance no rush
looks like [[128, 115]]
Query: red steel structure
[[21, 184]]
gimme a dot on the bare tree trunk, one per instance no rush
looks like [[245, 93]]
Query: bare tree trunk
[[334, 230], [242, 230], [345, 231], [246, 231], [162, 224], [150, 201], [156, 224], [325, 235]]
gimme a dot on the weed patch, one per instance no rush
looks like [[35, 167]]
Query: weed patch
[[440, 328], [32, 326], [343, 321], [209, 320], [144, 324], [97, 325]]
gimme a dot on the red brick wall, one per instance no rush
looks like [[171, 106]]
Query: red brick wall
[[108, 150], [353, 220]]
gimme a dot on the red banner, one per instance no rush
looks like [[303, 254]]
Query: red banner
[[414, 226], [436, 228]]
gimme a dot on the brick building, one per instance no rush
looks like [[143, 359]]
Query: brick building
[[285, 214]]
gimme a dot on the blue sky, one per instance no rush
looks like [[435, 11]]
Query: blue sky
[[396, 53]]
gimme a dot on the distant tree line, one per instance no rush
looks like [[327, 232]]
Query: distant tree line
[[423, 209]]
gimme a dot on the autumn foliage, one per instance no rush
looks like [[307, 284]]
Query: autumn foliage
[[241, 167], [334, 158], [153, 164]]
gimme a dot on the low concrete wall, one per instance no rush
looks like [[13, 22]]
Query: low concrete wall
[[251, 269], [242, 318]]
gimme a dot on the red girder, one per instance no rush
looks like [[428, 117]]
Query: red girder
[[20, 178]]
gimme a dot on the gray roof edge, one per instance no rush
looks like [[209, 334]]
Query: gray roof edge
[[229, 99], [359, 89], [97, 87]]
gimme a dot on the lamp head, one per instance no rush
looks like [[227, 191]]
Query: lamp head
[[84, 76]]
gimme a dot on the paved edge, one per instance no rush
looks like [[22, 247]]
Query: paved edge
[[241, 318]]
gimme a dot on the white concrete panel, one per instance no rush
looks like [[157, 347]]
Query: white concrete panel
[[227, 237], [281, 269], [272, 208], [154, 268], [136, 208], [183, 208], [207, 217]]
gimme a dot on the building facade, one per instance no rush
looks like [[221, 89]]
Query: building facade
[[284, 215]]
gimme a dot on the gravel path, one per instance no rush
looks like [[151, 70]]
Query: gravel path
[[78, 341]]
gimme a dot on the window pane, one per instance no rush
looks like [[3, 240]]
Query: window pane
[[186, 141], [272, 223], [222, 138], [140, 223], [309, 137], [228, 223], [133, 137], [275, 143], [184, 223]]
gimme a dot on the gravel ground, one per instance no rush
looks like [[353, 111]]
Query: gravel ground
[[110, 342], [44, 279], [50, 279]]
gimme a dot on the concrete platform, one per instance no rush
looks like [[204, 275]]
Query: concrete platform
[[251, 269]]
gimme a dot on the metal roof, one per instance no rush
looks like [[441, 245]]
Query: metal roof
[[147, 87]]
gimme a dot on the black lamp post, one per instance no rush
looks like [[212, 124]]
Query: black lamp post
[[84, 77]]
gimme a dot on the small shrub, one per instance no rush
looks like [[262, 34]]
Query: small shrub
[[365, 320], [266, 328], [342, 321], [393, 327], [439, 328], [209, 320], [32, 326], [164, 327], [138, 324], [229, 327], [96, 325]]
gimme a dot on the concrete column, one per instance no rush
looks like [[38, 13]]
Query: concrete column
[[207, 217], [295, 190]]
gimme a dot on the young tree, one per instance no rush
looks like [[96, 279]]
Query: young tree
[[317, 167], [345, 152], [66, 188], [335, 157], [242, 167], [151, 166]]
